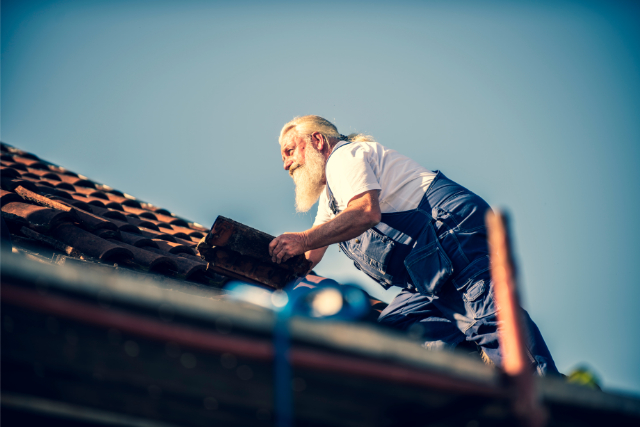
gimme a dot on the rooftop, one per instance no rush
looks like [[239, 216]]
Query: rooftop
[[111, 317]]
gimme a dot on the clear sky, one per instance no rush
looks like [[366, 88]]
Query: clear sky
[[533, 105]]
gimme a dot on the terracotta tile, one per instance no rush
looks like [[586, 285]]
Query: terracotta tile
[[89, 200], [41, 200], [64, 186], [51, 191], [108, 234], [9, 184], [137, 240], [109, 213], [73, 180], [29, 175], [50, 242], [243, 267], [60, 193], [174, 248], [123, 200], [93, 222], [96, 201], [8, 197], [146, 223], [152, 234], [125, 226], [9, 172], [145, 218], [182, 236], [18, 166], [108, 189], [76, 204], [169, 219], [187, 231], [46, 173], [92, 192], [61, 170], [37, 180], [148, 259], [163, 225], [186, 267], [141, 213], [186, 243], [32, 163], [237, 237], [37, 217], [154, 208], [198, 227], [52, 183], [90, 244]]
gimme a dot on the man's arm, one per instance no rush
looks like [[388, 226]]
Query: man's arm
[[362, 213], [315, 256]]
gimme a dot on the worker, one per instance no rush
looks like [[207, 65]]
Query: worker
[[402, 225]]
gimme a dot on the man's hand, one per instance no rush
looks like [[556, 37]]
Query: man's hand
[[287, 245], [362, 213]]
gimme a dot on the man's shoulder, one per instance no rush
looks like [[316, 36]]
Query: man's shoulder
[[357, 149]]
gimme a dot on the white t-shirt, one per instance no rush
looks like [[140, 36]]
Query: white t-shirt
[[365, 166]]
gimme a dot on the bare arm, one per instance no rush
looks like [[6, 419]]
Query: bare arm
[[362, 213], [315, 256]]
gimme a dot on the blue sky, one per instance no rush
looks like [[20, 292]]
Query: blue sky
[[532, 105]]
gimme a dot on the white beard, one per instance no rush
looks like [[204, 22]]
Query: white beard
[[309, 178]]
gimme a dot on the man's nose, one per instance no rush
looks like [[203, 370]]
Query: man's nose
[[287, 164]]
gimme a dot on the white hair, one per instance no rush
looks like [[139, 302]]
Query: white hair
[[306, 125]]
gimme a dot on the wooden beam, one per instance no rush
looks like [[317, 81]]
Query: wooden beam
[[515, 362]]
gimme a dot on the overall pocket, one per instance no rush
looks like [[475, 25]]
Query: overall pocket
[[371, 252], [478, 297], [427, 264], [474, 282]]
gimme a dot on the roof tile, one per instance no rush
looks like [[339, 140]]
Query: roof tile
[[174, 248], [9, 172], [8, 197], [90, 244], [189, 268], [152, 234], [148, 259], [137, 240], [36, 217]]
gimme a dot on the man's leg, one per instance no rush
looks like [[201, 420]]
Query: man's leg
[[474, 313], [462, 235], [417, 314]]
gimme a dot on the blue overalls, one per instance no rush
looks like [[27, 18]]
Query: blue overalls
[[438, 254]]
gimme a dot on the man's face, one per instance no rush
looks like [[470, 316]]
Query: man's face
[[293, 150], [306, 165]]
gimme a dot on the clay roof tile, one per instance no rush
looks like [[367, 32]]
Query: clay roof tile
[[37, 217], [90, 244]]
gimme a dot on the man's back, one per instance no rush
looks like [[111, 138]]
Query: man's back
[[356, 167]]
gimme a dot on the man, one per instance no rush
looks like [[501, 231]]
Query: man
[[404, 226]]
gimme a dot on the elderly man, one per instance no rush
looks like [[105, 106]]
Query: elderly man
[[402, 225]]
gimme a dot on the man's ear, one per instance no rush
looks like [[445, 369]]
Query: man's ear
[[318, 140]]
